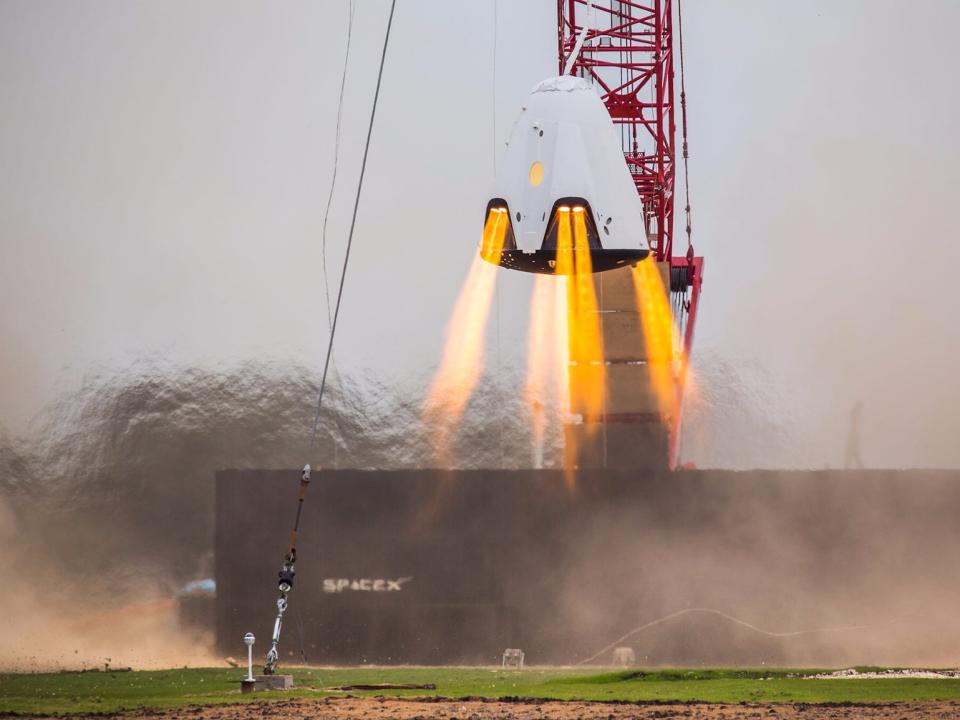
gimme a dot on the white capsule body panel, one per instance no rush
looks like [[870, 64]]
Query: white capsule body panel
[[565, 127]]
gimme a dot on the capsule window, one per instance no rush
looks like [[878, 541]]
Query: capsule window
[[536, 173]]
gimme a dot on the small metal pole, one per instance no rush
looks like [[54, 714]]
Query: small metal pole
[[249, 640]]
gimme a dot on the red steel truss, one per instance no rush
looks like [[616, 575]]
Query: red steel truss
[[628, 52]]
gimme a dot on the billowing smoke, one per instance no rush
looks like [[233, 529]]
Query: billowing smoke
[[736, 417], [108, 503], [107, 511]]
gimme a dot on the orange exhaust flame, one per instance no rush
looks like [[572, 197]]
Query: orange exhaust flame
[[494, 233], [664, 353], [587, 371], [462, 361]]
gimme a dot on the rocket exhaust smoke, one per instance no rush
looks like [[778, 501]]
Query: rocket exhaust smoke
[[546, 392], [462, 362]]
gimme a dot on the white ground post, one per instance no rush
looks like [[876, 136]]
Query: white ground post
[[249, 640]]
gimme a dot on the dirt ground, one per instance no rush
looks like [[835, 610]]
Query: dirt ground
[[397, 709]]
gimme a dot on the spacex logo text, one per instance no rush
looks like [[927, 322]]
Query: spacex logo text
[[377, 585]]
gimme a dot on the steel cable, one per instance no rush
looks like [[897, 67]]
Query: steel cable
[[353, 223], [336, 158], [683, 117], [725, 616]]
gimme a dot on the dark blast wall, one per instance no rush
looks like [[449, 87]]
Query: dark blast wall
[[442, 567]]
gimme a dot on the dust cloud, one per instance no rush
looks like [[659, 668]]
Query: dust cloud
[[107, 515], [751, 568], [59, 622], [828, 233], [106, 506]]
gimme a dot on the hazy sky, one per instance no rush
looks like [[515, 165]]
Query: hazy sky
[[164, 168]]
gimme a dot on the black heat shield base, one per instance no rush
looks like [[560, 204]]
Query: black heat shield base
[[545, 261]]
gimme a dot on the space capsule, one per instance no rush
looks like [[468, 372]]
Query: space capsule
[[563, 160]]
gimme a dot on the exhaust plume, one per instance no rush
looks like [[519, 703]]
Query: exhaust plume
[[664, 351], [462, 361], [546, 393]]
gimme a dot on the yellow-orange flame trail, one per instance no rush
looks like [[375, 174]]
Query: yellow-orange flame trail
[[545, 392], [664, 353], [494, 233], [565, 270], [587, 372], [588, 379], [462, 360]]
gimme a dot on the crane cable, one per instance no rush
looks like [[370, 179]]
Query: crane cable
[[336, 158], [728, 618], [287, 570], [323, 255], [683, 116], [353, 222]]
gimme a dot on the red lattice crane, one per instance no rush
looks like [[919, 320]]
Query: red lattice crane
[[626, 47]]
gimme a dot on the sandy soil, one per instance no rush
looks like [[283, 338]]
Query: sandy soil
[[393, 709]]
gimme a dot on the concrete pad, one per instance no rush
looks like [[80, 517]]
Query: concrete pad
[[273, 682]]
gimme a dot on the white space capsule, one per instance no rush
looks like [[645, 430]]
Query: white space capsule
[[564, 153]]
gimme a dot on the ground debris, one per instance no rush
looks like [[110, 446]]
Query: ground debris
[[417, 709], [854, 674], [388, 686]]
